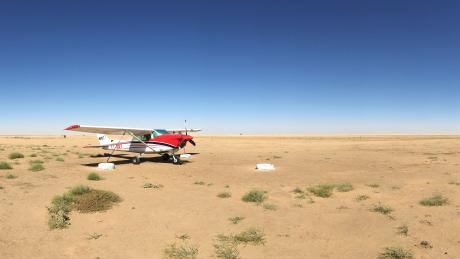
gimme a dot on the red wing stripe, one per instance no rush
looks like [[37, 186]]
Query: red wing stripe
[[71, 127]]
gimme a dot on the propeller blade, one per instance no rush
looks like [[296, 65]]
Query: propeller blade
[[192, 142], [185, 126]]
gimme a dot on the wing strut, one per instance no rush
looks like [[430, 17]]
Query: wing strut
[[116, 146]]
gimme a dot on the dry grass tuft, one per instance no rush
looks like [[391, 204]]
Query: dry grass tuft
[[403, 230], [227, 246], [270, 206], [154, 186], [95, 200], [436, 200], [383, 209], [362, 197], [81, 198], [184, 251], [322, 190], [395, 253], [236, 220], [10, 176], [344, 187]]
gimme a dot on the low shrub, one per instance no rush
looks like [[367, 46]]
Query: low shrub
[[5, 166], [396, 253], [322, 190], [224, 195], [94, 177], [436, 200], [257, 196], [15, 155]]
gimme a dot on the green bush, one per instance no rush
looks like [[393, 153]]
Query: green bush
[[5, 166], [257, 196], [15, 155], [36, 167], [436, 200], [322, 190], [344, 187], [94, 177], [224, 195]]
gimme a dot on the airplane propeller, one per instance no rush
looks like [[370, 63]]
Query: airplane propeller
[[186, 133]]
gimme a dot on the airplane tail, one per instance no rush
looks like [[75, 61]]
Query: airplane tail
[[103, 139]]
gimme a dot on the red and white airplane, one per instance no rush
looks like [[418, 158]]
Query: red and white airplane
[[161, 141]]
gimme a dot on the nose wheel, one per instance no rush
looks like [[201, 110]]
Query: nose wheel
[[176, 160]]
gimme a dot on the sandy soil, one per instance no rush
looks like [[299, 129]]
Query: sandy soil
[[407, 169]]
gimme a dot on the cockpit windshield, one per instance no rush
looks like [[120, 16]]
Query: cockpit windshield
[[158, 132]]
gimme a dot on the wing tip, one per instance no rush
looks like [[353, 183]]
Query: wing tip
[[71, 127]]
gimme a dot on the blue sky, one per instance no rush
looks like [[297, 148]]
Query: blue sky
[[270, 67]]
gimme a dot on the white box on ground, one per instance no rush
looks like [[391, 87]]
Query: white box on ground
[[266, 167], [106, 166]]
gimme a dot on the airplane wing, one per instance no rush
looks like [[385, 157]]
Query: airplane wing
[[181, 131], [108, 130]]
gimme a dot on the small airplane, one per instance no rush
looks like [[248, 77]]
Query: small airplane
[[166, 142]]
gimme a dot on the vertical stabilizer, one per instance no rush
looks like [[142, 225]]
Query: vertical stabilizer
[[103, 139]]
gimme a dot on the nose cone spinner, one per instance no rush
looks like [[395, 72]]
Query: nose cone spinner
[[187, 138]]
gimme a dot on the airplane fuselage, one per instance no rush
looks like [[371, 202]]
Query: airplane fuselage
[[167, 143]]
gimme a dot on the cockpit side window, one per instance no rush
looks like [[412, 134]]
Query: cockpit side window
[[145, 137]]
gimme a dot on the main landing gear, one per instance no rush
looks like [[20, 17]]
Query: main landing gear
[[137, 160], [175, 158], [165, 157]]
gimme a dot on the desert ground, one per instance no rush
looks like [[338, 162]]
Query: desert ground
[[396, 172]]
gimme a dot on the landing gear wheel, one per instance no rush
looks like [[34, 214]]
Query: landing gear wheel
[[165, 157], [136, 160], [176, 160]]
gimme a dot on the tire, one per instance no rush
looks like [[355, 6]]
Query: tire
[[136, 160], [165, 157], [177, 161]]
